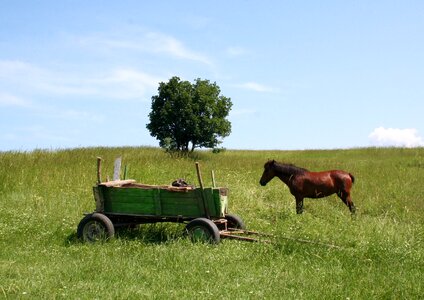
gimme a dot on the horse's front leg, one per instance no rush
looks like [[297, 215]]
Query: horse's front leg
[[299, 204]]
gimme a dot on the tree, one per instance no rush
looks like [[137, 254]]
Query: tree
[[185, 114]]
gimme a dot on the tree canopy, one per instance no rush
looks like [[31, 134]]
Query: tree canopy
[[186, 116]]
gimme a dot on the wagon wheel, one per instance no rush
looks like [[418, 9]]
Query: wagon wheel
[[202, 229], [234, 221], [95, 227]]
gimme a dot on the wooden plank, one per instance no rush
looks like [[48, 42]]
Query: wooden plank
[[199, 176], [131, 208], [162, 187], [220, 201], [123, 200], [208, 200], [98, 197], [117, 182], [99, 170], [117, 169], [213, 179], [186, 208], [181, 204], [158, 202]]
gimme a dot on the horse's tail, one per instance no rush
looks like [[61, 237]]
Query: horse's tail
[[352, 178]]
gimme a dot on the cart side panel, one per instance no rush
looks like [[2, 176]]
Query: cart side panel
[[153, 202], [187, 204], [190, 203], [131, 201], [211, 202], [162, 202]]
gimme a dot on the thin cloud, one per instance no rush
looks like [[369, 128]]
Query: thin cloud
[[386, 137], [168, 44], [145, 41], [119, 83], [12, 67], [9, 100], [31, 78], [257, 87], [126, 84]]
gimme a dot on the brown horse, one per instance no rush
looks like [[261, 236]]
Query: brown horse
[[305, 184]]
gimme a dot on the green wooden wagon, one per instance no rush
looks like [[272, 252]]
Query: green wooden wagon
[[128, 203]]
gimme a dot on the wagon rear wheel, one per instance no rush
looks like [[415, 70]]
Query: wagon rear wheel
[[95, 227], [204, 230], [234, 221]]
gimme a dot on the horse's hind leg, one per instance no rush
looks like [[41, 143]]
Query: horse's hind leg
[[350, 204], [345, 196], [299, 205]]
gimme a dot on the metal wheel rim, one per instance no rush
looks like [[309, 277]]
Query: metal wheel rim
[[94, 231]]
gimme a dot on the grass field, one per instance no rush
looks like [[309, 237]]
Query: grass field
[[380, 253]]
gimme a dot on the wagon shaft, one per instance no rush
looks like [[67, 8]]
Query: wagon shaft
[[245, 235]]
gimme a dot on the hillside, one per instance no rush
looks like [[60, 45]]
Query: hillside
[[379, 253]]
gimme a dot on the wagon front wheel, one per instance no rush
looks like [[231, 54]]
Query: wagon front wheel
[[95, 227], [234, 221], [202, 229]]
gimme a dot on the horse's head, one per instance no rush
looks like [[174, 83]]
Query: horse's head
[[269, 172]]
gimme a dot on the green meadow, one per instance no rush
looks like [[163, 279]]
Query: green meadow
[[376, 254]]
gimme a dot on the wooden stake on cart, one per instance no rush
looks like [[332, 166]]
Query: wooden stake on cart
[[213, 179], [99, 171], [199, 176]]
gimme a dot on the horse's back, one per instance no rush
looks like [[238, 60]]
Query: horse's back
[[315, 184], [332, 179]]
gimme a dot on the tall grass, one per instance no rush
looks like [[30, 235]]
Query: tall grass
[[376, 254]]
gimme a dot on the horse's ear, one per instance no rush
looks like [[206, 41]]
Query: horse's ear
[[273, 161]]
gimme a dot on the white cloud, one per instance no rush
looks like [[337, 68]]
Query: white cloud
[[256, 87], [126, 84], [13, 67], [145, 41], [168, 44], [119, 83], [7, 99], [396, 137], [31, 78]]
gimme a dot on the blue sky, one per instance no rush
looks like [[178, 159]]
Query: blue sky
[[300, 74]]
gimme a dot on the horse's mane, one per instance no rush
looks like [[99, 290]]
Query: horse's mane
[[289, 169]]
